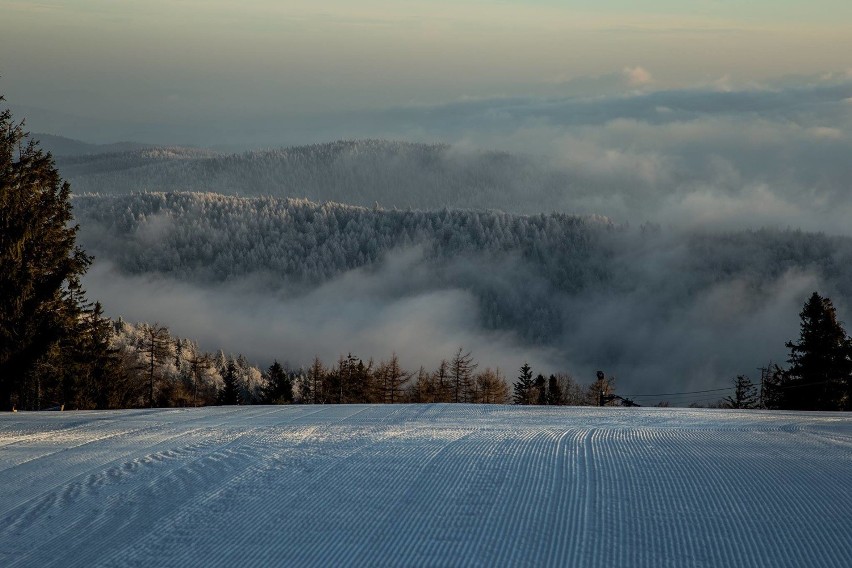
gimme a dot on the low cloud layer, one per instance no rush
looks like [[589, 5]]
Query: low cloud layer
[[703, 161], [711, 159], [721, 332], [369, 313], [770, 157]]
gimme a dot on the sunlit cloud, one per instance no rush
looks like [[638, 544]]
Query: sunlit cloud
[[637, 76]]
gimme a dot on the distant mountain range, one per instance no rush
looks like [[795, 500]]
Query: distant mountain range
[[61, 146], [364, 172]]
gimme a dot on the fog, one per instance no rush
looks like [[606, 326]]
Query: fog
[[770, 157], [673, 312], [660, 309], [364, 312], [720, 332]]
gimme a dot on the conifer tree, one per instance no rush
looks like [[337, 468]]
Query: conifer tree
[[279, 386], [554, 391], [230, 393], [820, 375], [522, 392], [772, 381], [360, 381], [40, 263], [540, 389], [94, 360], [745, 394]]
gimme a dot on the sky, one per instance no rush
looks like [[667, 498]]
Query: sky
[[161, 71]]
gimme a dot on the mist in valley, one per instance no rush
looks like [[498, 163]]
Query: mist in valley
[[291, 279]]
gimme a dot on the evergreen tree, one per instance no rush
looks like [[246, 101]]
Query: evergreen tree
[[95, 359], [522, 392], [279, 386], [250, 381], [230, 393], [40, 264], [820, 374], [303, 388], [360, 381], [540, 390], [554, 391], [772, 379], [745, 394]]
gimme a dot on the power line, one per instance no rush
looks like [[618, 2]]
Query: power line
[[686, 396], [725, 389], [681, 393]]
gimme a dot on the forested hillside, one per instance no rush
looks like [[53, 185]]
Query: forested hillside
[[60, 146], [358, 172], [631, 180], [642, 299]]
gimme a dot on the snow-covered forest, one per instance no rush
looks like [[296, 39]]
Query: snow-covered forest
[[587, 289], [173, 371], [631, 178], [151, 367]]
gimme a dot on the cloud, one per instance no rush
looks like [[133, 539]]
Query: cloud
[[696, 160], [740, 159], [637, 76], [663, 330], [370, 312], [658, 308], [826, 132]]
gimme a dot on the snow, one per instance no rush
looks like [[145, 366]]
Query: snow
[[437, 485]]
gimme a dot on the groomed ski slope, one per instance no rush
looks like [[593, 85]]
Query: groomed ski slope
[[426, 485]]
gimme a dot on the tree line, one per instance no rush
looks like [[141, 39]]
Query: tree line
[[115, 364]]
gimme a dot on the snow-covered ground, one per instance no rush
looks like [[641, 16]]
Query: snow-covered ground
[[437, 485]]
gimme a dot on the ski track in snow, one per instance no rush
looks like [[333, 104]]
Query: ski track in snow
[[425, 485]]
